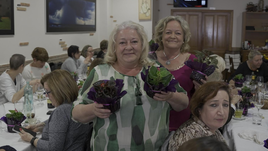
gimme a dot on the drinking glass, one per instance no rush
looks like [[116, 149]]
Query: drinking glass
[[2, 113], [248, 79], [259, 101], [239, 110], [260, 81], [40, 92]]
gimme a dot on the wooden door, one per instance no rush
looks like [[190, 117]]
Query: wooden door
[[194, 20], [217, 32]]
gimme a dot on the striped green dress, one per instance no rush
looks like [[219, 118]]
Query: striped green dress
[[140, 124]]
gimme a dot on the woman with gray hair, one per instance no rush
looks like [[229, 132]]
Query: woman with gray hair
[[141, 123], [254, 64]]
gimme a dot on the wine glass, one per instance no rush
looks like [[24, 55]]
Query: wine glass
[[248, 80], [2, 113], [259, 101], [40, 92], [260, 81]]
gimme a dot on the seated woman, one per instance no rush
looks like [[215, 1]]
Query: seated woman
[[59, 131], [204, 144], [39, 67], [87, 51], [253, 65], [72, 64], [12, 83], [210, 107]]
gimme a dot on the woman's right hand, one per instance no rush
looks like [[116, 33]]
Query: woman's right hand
[[100, 112]]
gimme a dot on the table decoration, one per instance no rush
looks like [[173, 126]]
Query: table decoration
[[239, 79], [74, 75], [108, 93], [13, 118], [203, 65], [157, 79], [246, 95]]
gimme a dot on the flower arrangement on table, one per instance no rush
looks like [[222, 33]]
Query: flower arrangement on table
[[80, 84], [246, 94], [13, 118], [203, 65], [108, 93], [239, 79], [158, 79]]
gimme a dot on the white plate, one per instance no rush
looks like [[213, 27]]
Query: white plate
[[242, 118]]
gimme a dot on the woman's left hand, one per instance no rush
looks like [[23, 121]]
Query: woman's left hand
[[25, 136], [163, 96], [197, 85]]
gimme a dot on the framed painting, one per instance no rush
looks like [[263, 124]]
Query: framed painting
[[144, 9], [71, 15], [6, 17]]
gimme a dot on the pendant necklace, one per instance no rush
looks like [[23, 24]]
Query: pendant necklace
[[168, 60]]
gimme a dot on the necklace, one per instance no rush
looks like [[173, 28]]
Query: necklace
[[168, 60]]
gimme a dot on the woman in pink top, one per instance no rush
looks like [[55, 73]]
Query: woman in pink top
[[172, 33]]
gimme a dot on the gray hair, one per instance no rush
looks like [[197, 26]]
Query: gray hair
[[111, 57], [16, 61], [253, 53], [161, 26]]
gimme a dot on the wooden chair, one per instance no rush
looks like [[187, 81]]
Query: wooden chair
[[232, 70]]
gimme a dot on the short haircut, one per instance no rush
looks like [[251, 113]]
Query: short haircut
[[40, 53], [206, 92], [72, 50], [84, 50], [204, 144], [161, 26], [16, 61], [253, 53], [103, 45], [62, 86], [111, 57]]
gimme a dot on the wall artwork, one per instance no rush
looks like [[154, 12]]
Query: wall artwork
[[6, 17], [71, 15], [144, 9]]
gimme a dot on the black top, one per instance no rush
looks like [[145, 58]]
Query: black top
[[244, 70]]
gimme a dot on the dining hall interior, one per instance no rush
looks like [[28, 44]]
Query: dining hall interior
[[227, 28]]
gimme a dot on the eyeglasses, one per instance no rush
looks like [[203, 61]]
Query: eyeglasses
[[47, 92]]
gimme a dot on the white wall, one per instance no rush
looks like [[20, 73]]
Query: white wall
[[238, 6], [30, 26]]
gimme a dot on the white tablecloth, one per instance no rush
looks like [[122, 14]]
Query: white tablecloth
[[237, 143], [13, 139]]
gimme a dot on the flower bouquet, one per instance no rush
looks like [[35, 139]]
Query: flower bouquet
[[153, 46], [108, 93], [239, 79], [158, 79], [203, 65], [246, 95], [13, 118]]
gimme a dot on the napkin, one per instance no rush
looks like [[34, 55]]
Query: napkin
[[252, 136]]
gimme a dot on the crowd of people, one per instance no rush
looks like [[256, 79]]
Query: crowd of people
[[193, 114]]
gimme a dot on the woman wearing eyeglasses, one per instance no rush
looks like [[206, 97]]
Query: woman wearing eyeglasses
[[59, 132], [141, 123]]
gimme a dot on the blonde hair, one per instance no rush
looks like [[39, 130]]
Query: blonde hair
[[161, 26], [62, 86], [111, 57], [253, 53]]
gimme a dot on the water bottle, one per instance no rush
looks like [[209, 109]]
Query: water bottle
[[28, 105]]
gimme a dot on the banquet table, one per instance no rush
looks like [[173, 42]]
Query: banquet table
[[245, 126], [13, 139]]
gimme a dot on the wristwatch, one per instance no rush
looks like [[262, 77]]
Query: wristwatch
[[32, 141]]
